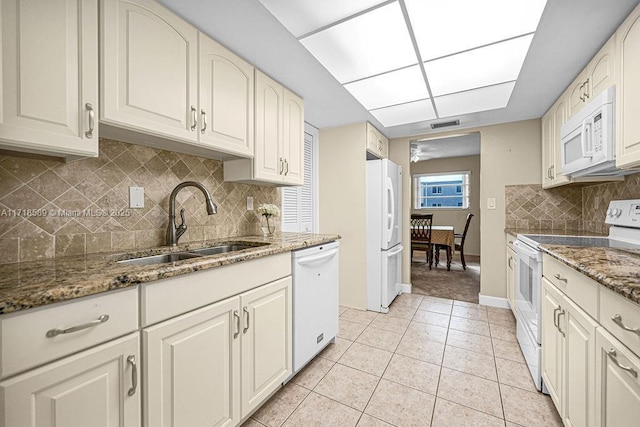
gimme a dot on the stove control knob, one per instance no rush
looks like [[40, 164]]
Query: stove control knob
[[609, 212], [617, 213]]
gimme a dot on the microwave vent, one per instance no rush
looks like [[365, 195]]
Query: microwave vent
[[445, 124]]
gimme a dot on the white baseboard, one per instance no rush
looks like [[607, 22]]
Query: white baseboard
[[493, 301], [405, 288]]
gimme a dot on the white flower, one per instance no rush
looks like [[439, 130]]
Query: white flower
[[268, 209]]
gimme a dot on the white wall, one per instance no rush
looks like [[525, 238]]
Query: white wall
[[509, 154], [457, 217]]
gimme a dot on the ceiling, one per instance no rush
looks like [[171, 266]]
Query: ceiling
[[569, 34]]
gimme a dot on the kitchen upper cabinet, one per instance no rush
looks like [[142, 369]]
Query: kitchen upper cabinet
[[377, 144], [266, 341], [149, 70], [226, 99], [192, 369], [552, 122], [601, 70], [49, 75], [628, 101], [617, 398], [97, 387], [578, 93], [279, 138], [548, 147]]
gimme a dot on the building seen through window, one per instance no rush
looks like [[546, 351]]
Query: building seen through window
[[449, 190]]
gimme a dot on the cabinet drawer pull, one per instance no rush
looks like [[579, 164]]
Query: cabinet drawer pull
[[237, 316], [194, 118], [55, 332], [134, 374], [562, 279], [92, 120], [204, 121], [613, 356], [617, 319], [246, 328]]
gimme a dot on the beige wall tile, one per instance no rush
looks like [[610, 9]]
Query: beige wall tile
[[70, 244], [9, 250], [37, 247]]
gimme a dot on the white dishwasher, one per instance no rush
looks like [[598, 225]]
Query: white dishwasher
[[315, 301]]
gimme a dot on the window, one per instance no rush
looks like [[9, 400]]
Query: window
[[448, 190]]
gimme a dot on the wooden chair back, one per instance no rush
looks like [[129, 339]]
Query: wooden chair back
[[421, 228]]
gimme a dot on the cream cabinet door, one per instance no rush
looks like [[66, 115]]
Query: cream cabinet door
[[293, 140], [617, 384], [559, 118], [49, 77], [226, 99], [579, 371], [577, 91], [149, 69], [601, 71], [97, 388], [511, 278], [628, 84], [548, 148], [192, 368], [266, 341], [268, 160], [552, 342]]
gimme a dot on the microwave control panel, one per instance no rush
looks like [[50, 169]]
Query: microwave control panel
[[597, 133]]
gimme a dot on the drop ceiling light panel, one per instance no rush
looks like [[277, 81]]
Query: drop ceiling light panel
[[497, 63], [301, 17], [459, 25], [471, 101], [405, 113], [392, 88], [370, 44]]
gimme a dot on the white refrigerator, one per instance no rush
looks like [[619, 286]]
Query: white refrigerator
[[384, 233]]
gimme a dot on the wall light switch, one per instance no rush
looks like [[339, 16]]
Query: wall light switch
[[136, 197], [491, 203], [249, 203]]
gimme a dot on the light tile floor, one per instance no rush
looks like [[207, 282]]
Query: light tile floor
[[429, 361]]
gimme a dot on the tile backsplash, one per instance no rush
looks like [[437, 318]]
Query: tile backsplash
[[51, 208], [571, 207]]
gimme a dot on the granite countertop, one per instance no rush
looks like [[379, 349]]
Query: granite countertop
[[32, 284], [617, 269], [552, 232]]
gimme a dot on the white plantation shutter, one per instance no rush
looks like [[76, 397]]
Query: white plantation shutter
[[297, 202]]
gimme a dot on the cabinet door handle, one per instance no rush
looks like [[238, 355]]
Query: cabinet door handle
[[246, 328], [559, 277], [194, 118], [204, 121], [586, 90], [562, 313], [92, 120], [281, 166], [613, 356], [134, 374], [55, 332], [617, 319], [555, 317], [237, 316], [581, 93], [509, 262], [286, 163]]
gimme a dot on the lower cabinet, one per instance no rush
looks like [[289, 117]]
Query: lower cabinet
[[96, 387], [568, 357], [215, 365], [617, 385], [511, 278]]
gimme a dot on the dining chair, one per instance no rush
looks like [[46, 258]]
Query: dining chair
[[421, 235], [458, 246]]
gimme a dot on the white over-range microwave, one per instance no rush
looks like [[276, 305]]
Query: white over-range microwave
[[588, 139]]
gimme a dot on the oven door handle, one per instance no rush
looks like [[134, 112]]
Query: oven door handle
[[524, 249]]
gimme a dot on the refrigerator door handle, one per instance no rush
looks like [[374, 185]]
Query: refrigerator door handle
[[395, 251], [390, 212]]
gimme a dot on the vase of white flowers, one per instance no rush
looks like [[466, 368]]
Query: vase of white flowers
[[267, 210]]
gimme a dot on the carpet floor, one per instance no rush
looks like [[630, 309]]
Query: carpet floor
[[457, 284]]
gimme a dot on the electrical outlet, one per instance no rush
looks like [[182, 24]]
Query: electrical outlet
[[136, 197], [249, 203]]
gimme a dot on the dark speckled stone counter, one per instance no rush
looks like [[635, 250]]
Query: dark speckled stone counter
[[33, 284], [617, 269]]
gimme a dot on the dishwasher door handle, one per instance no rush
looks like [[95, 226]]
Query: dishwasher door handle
[[317, 259]]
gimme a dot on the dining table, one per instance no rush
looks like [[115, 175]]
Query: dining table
[[443, 235]]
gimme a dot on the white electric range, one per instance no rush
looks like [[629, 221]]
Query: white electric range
[[624, 218]]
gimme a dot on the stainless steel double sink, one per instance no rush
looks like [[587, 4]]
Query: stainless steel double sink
[[194, 253]]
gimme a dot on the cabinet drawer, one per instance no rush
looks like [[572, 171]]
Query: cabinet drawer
[[626, 314], [510, 239], [24, 341], [578, 287]]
